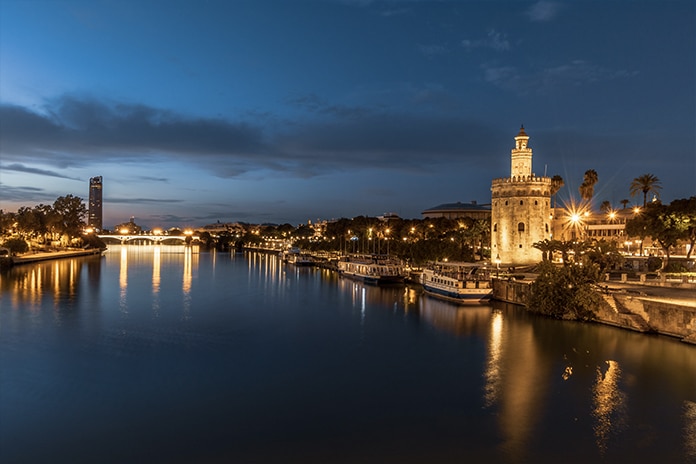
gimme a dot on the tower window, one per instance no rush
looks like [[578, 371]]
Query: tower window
[[547, 228], [520, 227], [536, 202], [521, 202], [506, 202], [495, 227]]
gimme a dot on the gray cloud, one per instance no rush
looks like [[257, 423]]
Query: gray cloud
[[494, 40], [575, 73], [25, 194], [71, 131], [543, 11], [42, 172]]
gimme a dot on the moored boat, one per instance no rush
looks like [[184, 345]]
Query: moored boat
[[372, 269], [458, 282]]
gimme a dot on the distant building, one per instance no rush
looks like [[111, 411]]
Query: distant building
[[94, 219], [520, 209], [459, 210]]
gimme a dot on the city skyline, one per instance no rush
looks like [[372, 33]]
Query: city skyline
[[281, 112]]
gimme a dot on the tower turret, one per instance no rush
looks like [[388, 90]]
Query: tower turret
[[521, 156]]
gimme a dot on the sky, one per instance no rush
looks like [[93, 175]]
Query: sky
[[266, 111]]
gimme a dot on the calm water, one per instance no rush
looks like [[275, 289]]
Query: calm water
[[161, 354]]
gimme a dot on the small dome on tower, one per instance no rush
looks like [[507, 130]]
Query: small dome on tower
[[522, 132]]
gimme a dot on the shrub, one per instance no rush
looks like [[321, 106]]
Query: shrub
[[16, 245], [565, 292]]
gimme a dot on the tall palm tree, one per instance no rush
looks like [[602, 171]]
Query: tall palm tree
[[646, 183], [625, 203], [588, 183], [556, 185]]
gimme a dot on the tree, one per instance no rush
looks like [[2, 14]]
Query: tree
[[660, 223], [685, 210], [605, 207], [72, 210], [587, 187], [646, 183], [625, 203], [565, 292], [556, 185]]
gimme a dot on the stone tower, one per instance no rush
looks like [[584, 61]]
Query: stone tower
[[520, 209]]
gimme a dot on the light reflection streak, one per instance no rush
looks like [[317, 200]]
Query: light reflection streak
[[123, 280], [493, 367], [156, 278], [608, 403], [186, 284]]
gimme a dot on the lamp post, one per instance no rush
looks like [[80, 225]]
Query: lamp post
[[497, 266]]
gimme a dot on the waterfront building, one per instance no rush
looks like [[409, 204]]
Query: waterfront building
[[95, 203], [459, 210], [520, 209]]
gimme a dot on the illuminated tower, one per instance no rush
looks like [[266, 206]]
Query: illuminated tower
[[520, 209], [95, 203]]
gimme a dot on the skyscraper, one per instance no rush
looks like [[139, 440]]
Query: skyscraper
[[95, 203]]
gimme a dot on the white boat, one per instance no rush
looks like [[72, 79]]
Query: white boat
[[372, 269], [463, 283], [298, 258]]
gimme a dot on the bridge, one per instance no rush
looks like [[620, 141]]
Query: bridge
[[156, 239]]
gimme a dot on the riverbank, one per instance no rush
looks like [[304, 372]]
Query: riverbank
[[638, 306], [49, 255]]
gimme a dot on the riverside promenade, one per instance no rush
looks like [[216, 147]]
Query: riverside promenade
[[49, 255]]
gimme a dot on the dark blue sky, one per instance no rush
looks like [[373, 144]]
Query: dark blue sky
[[280, 111]]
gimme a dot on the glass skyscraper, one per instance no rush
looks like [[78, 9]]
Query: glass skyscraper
[[95, 203]]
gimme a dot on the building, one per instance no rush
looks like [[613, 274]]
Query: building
[[94, 219], [458, 210], [520, 209]]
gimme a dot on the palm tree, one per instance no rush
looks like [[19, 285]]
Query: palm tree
[[588, 183], [625, 202], [556, 185], [646, 183], [605, 207]]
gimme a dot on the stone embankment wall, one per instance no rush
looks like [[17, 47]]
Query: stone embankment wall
[[621, 309]]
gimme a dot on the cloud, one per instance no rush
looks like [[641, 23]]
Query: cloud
[[80, 132], [543, 11], [42, 172], [23, 194], [494, 40], [551, 79], [142, 201]]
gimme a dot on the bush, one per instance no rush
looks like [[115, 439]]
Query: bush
[[16, 245], [565, 292]]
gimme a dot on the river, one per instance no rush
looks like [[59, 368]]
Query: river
[[164, 354]]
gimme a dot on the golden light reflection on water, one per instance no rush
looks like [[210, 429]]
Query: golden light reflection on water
[[123, 280], [608, 403], [493, 367]]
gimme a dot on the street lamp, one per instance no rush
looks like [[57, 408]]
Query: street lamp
[[497, 266]]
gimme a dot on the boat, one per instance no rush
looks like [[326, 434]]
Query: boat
[[372, 269], [463, 283], [298, 258]]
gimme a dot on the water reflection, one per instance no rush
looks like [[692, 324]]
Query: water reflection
[[492, 373], [608, 403]]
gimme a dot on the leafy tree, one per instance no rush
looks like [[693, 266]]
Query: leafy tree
[[605, 207], [625, 203], [659, 222], [685, 211], [72, 210], [565, 292], [646, 183], [547, 247]]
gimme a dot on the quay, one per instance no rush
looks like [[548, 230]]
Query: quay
[[668, 308], [48, 255]]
